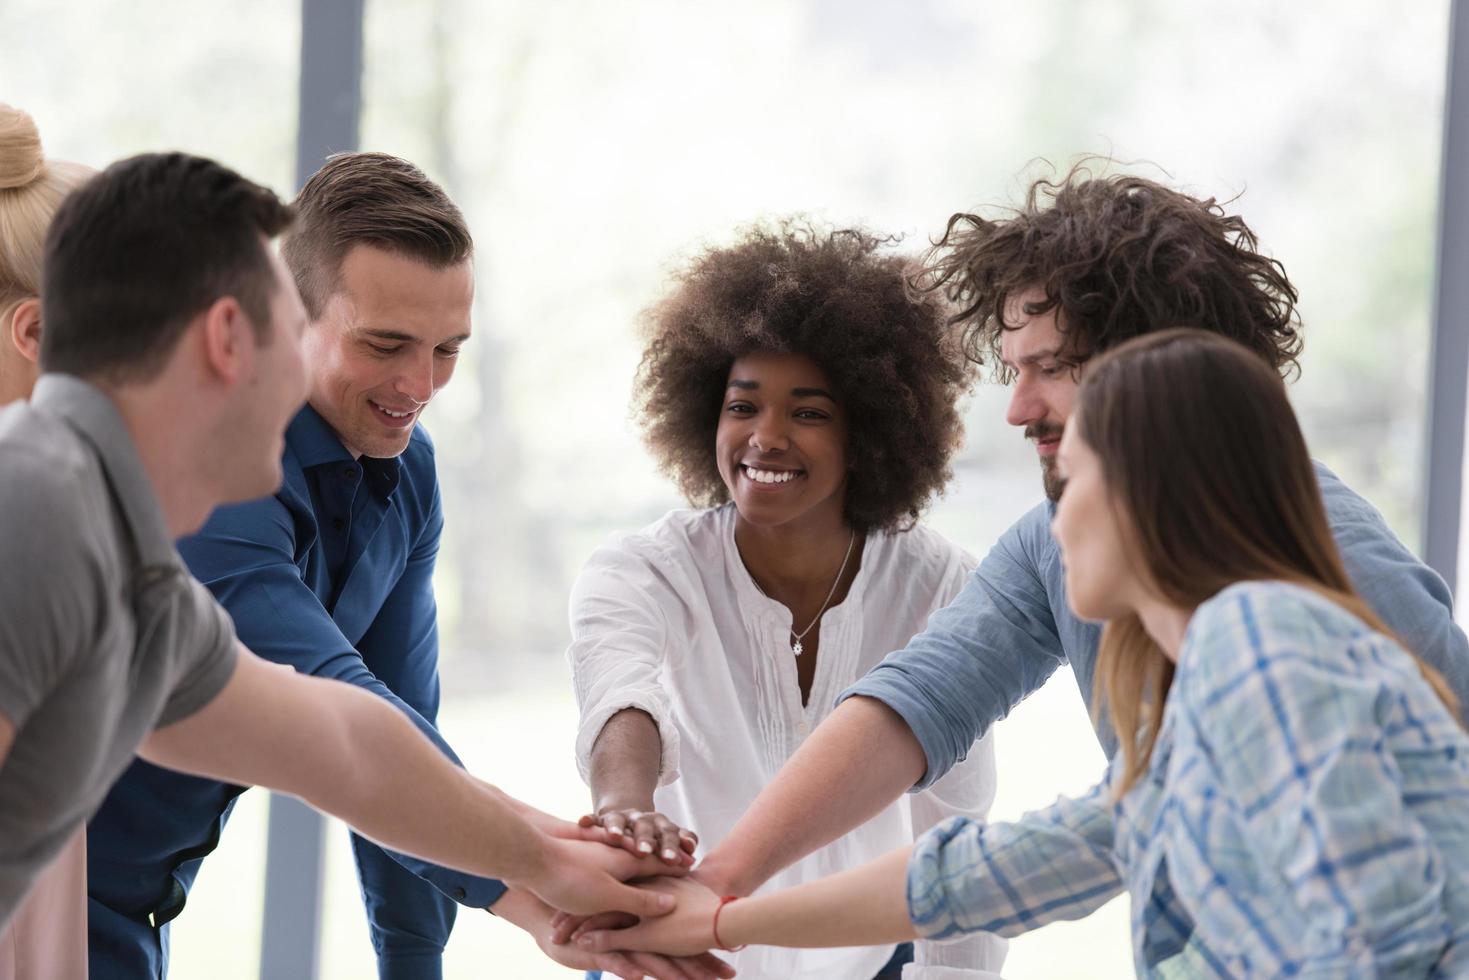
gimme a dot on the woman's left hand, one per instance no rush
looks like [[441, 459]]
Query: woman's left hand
[[686, 931]]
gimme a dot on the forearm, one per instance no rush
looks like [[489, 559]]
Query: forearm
[[861, 907], [386, 774], [856, 763], [625, 762]]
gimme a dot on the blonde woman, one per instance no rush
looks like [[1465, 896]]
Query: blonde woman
[[47, 937]]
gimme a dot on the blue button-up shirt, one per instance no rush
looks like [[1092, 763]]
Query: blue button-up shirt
[[332, 576], [1305, 813], [1010, 628]]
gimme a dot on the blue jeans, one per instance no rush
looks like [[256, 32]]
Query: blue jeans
[[892, 971]]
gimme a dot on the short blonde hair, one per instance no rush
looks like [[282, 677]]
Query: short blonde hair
[[31, 189]]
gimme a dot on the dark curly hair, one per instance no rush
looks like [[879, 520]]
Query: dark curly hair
[[838, 299], [1119, 256]]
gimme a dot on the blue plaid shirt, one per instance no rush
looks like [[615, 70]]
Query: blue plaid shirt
[[1306, 813]]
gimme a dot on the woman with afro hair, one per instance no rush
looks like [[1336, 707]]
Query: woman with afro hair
[[803, 399]]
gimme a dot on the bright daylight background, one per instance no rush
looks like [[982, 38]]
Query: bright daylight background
[[593, 144]]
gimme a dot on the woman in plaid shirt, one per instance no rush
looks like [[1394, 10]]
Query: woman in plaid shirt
[[1292, 794]]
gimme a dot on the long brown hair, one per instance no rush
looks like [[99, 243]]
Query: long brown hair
[[1206, 462]]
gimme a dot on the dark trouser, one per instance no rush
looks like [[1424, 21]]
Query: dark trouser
[[892, 971]]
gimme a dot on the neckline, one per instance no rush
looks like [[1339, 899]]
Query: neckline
[[749, 593]]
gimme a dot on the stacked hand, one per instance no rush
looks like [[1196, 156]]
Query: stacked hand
[[645, 832], [583, 871], [528, 912], [686, 931]]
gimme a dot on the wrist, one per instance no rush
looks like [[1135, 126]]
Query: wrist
[[607, 804], [721, 876], [520, 909], [533, 862], [730, 924]]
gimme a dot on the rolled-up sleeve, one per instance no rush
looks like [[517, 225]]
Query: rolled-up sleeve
[[619, 637], [1053, 864], [979, 656], [245, 556]]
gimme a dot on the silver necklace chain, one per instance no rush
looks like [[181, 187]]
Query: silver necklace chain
[[796, 648]]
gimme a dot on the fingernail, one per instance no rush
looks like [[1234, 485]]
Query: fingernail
[[665, 902], [585, 942], [670, 855], [644, 847]]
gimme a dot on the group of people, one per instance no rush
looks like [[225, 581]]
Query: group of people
[[213, 467]]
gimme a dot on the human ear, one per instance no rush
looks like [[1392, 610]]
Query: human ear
[[226, 348], [25, 329]]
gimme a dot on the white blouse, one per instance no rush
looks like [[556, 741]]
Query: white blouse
[[669, 621]]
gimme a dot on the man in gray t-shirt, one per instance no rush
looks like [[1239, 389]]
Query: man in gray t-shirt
[[118, 639], [172, 360]]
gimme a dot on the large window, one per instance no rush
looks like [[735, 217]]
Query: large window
[[593, 144]]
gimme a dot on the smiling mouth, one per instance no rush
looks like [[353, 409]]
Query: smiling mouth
[[392, 414], [769, 477]]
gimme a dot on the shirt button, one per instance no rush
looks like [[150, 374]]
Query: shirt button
[[460, 894], [338, 523], [350, 472], [803, 728]]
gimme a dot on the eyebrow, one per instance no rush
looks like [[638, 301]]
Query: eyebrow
[[399, 336], [798, 392]]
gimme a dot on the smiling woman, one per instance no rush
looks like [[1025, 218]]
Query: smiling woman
[[794, 387]]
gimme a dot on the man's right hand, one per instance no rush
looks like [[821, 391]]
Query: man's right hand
[[584, 877]]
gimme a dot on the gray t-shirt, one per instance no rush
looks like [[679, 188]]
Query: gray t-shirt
[[104, 635]]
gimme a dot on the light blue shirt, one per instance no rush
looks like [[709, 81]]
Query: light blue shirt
[[1010, 628], [1305, 813]]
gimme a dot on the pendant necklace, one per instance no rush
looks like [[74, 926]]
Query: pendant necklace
[[796, 648]]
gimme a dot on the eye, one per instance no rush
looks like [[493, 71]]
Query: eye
[[812, 415], [740, 408], [1053, 370], [380, 349], [447, 351]]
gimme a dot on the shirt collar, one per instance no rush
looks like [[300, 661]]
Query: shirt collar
[[315, 443], [94, 416]]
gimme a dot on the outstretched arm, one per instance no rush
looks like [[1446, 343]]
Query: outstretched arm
[[857, 762], [861, 907], [910, 719], [351, 754]]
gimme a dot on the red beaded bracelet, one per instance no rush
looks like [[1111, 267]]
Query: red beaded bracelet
[[717, 909]]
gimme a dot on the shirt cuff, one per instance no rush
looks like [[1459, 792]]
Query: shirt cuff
[[595, 719], [877, 685], [467, 890]]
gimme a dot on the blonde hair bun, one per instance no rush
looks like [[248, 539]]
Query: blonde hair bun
[[21, 159]]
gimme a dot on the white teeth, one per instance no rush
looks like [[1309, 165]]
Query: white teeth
[[396, 415], [770, 476]]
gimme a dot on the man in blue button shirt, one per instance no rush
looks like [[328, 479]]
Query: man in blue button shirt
[[333, 574], [1087, 263]]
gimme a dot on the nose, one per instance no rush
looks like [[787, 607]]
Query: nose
[[416, 381], [1025, 407], [769, 434]]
